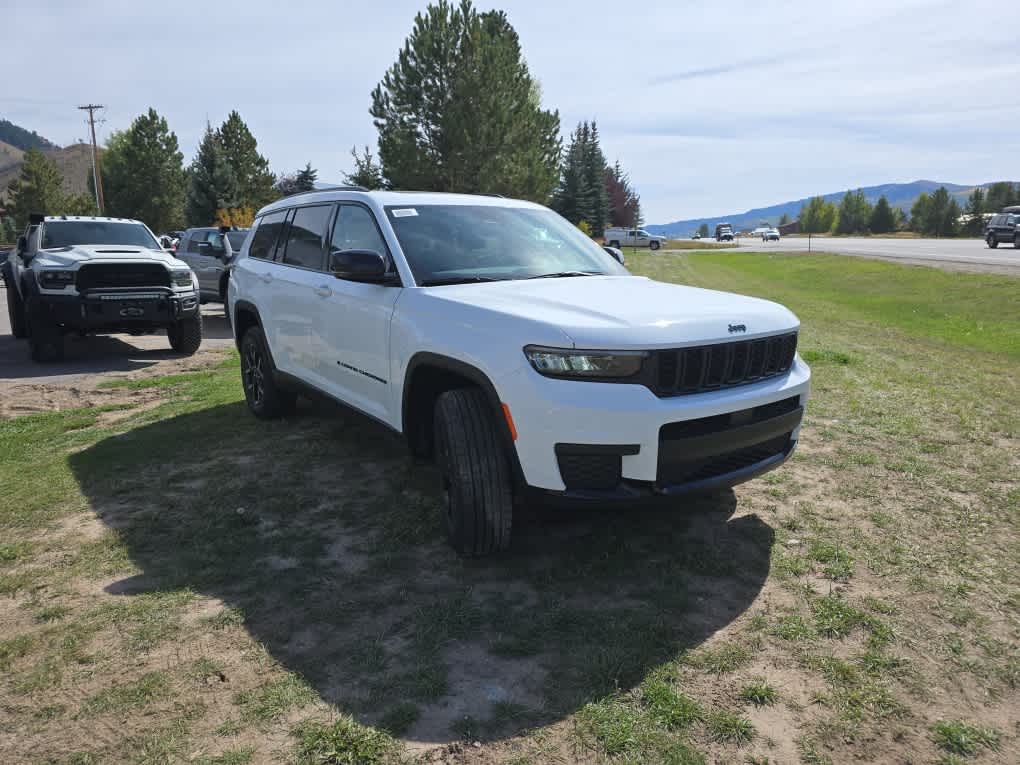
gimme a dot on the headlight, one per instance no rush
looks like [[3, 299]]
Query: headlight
[[56, 280], [181, 278], [564, 362]]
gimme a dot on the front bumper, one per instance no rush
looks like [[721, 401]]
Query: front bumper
[[116, 309], [615, 441]]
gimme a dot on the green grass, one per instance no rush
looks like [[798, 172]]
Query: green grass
[[333, 594], [964, 739]]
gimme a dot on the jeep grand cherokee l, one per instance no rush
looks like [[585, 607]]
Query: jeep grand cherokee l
[[87, 275], [503, 342]]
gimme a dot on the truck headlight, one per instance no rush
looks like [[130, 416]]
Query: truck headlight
[[566, 362], [181, 278], [56, 280]]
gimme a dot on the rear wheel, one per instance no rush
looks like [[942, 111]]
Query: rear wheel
[[476, 479], [186, 336], [992, 241], [265, 398], [16, 311], [1016, 241]]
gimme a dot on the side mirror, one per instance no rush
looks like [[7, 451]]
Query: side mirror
[[617, 254], [366, 266]]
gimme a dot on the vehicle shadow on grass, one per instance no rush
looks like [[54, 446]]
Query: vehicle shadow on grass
[[324, 537]]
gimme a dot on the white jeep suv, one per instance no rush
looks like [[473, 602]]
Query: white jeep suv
[[498, 338]]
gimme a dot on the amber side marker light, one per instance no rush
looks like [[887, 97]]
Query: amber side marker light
[[510, 422]]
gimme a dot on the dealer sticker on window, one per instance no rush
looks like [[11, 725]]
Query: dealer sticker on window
[[405, 212]]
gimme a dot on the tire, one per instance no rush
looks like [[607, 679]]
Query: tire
[[265, 398], [653, 246], [45, 339], [16, 312], [615, 244], [1016, 241], [476, 479], [186, 336], [992, 241]]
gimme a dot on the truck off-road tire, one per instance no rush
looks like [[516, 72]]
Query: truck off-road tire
[[653, 246], [476, 480], [16, 312], [186, 336], [265, 398], [992, 241], [615, 244], [45, 339]]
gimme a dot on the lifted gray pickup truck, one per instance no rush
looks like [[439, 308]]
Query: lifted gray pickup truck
[[88, 275]]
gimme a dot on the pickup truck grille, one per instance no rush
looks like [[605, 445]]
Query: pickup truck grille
[[107, 275], [684, 371]]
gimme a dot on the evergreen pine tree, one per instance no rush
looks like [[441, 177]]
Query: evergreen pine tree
[[212, 185], [882, 219], [251, 169], [305, 179], [37, 189]]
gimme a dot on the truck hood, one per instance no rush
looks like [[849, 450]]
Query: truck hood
[[626, 312], [71, 257]]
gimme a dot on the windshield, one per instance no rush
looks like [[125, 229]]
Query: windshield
[[489, 242], [72, 232]]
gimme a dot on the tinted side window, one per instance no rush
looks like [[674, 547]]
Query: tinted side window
[[304, 238], [263, 244], [355, 229]]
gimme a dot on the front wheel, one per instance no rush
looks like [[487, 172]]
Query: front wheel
[[45, 339], [992, 241], [186, 336], [16, 312], [476, 479], [653, 246]]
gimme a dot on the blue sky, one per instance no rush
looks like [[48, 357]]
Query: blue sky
[[712, 107]]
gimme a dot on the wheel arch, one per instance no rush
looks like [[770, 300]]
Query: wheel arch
[[430, 374], [246, 315]]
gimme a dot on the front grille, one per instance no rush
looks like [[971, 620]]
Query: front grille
[[683, 371], [721, 464], [590, 471], [112, 275]]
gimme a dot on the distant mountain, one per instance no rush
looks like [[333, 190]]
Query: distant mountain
[[900, 195], [19, 138], [74, 163]]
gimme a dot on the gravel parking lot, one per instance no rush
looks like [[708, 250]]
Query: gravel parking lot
[[26, 386]]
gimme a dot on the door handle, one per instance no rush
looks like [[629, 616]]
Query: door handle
[[323, 291], [266, 278]]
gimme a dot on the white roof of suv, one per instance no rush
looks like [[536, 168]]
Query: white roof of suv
[[395, 198]]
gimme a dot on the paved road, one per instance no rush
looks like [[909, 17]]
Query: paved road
[[102, 353], [955, 254]]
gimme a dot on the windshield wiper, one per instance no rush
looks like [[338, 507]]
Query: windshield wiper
[[457, 280], [566, 273]]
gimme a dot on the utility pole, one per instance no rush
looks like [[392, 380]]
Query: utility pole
[[97, 178]]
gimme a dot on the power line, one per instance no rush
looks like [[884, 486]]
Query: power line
[[97, 177]]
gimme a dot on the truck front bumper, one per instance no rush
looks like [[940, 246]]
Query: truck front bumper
[[607, 441], [115, 310]]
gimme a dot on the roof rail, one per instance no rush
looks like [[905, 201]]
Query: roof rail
[[489, 194], [327, 188]]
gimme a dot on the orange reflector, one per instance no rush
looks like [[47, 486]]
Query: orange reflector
[[510, 422]]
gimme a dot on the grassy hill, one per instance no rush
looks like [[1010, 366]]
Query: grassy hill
[[74, 163]]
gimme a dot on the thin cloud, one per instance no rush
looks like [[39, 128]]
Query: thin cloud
[[755, 62]]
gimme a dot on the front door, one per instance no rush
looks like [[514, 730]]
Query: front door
[[355, 329]]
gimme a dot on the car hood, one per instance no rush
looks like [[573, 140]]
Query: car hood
[[622, 312], [69, 257]]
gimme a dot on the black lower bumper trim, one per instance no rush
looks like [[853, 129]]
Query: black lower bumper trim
[[117, 310]]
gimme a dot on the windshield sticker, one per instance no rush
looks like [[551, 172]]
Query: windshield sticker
[[405, 212]]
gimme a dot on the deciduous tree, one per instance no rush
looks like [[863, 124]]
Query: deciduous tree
[[817, 216], [853, 214], [459, 110], [143, 174], [703, 230], [624, 202]]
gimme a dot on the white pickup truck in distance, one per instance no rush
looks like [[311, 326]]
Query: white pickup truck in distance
[[632, 237], [508, 346]]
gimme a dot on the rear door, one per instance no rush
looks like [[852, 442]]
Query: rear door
[[353, 339], [255, 274], [298, 288]]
